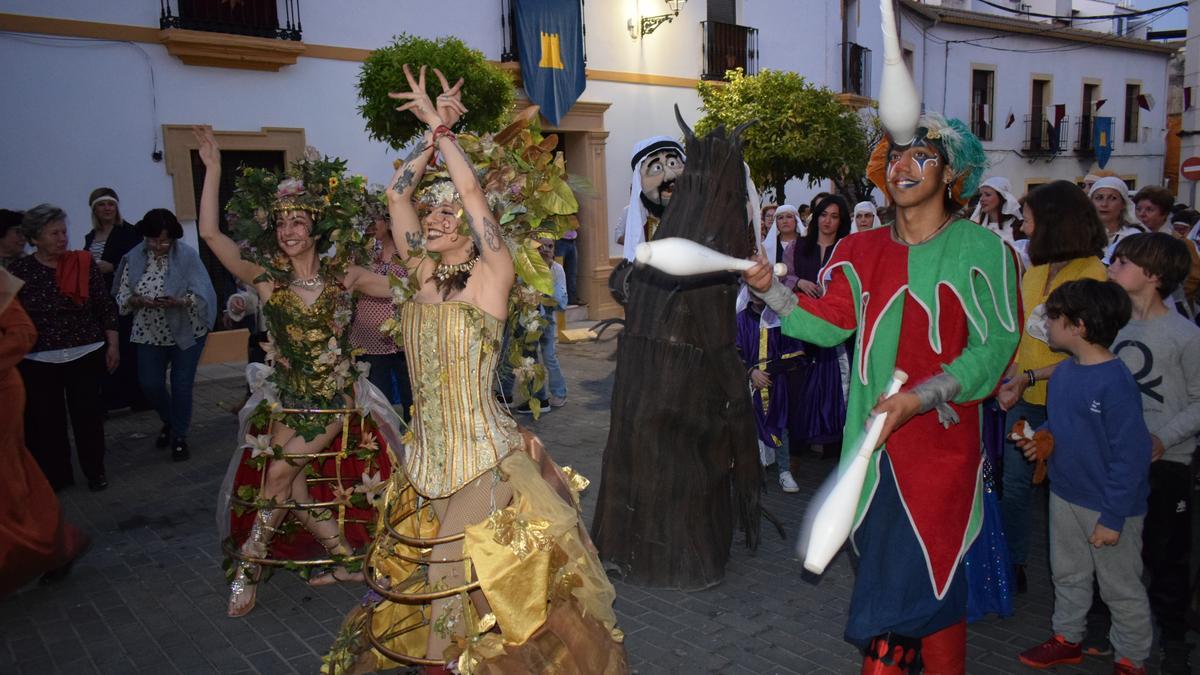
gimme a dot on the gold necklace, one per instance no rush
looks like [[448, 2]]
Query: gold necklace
[[314, 281], [443, 271]]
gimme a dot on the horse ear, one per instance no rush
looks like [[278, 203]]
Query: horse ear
[[688, 136], [737, 133]]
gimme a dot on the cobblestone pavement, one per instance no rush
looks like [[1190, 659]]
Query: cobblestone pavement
[[150, 596]]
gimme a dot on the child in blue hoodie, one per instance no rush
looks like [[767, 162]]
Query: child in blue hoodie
[[1099, 479]]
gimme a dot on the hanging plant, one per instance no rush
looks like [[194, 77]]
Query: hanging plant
[[487, 89]]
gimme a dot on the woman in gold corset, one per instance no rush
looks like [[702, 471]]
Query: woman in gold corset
[[483, 560]]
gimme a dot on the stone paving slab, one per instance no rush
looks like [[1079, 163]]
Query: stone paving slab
[[150, 595]]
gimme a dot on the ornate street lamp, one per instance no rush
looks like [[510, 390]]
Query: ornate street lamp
[[646, 25]]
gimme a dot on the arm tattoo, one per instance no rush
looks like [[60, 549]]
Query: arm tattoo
[[414, 240], [491, 232], [416, 152], [405, 180], [473, 231]]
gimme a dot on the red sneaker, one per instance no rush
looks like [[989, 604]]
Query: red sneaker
[[1052, 652], [1125, 667]]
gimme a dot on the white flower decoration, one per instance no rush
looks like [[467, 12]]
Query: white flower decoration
[[260, 445]]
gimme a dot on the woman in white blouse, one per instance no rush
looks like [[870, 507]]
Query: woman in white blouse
[[165, 286]]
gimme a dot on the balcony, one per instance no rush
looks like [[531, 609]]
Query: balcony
[[726, 46], [856, 70], [1042, 137], [253, 18], [246, 34]]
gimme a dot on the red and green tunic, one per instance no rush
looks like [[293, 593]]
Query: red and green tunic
[[946, 305]]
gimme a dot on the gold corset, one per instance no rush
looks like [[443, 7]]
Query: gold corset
[[459, 429]]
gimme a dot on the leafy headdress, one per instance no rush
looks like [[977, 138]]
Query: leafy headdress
[[900, 114], [317, 185], [528, 190]]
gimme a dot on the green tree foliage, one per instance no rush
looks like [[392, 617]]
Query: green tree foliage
[[487, 90], [801, 129]]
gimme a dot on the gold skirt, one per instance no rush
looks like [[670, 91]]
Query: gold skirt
[[550, 601]]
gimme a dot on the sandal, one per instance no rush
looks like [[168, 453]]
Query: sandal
[[243, 589], [339, 573]]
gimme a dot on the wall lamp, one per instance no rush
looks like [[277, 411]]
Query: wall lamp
[[646, 25]]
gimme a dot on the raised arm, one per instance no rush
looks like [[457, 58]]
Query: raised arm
[[484, 229], [405, 224], [486, 232], [221, 245]]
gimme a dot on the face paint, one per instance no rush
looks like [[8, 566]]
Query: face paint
[[920, 161]]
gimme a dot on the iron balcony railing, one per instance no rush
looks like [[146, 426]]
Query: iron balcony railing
[[856, 69], [1085, 132], [1042, 136], [725, 46], [257, 18]]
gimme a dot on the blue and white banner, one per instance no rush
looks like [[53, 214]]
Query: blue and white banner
[[550, 43], [1102, 141]]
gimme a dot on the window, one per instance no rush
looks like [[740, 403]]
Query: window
[[1087, 115], [981, 103], [1132, 125], [728, 46], [1039, 94]]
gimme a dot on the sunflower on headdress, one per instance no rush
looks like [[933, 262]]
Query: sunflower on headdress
[[319, 186]]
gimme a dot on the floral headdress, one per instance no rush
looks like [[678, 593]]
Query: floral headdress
[[317, 185], [528, 190]]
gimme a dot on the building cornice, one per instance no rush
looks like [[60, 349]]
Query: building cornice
[[218, 49], [961, 17]]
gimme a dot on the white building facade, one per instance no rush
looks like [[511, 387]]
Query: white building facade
[[982, 67], [96, 89]]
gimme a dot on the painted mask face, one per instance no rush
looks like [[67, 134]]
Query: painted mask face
[[658, 172], [444, 228], [915, 174]]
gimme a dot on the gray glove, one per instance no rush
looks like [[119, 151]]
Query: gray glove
[[778, 298], [936, 393]]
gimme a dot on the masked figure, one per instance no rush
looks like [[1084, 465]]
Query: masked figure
[[935, 297], [656, 163], [681, 463]]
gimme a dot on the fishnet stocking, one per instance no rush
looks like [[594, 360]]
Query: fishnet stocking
[[469, 505]]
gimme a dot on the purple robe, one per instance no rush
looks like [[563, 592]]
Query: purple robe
[[817, 405], [757, 345]]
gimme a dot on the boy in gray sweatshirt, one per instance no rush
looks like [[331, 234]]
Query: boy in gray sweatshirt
[[1162, 350]]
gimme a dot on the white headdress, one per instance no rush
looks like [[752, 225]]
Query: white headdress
[[634, 220], [865, 207], [1011, 206], [1116, 184]]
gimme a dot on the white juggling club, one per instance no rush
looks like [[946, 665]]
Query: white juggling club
[[683, 257], [899, 104], [835, 515]]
